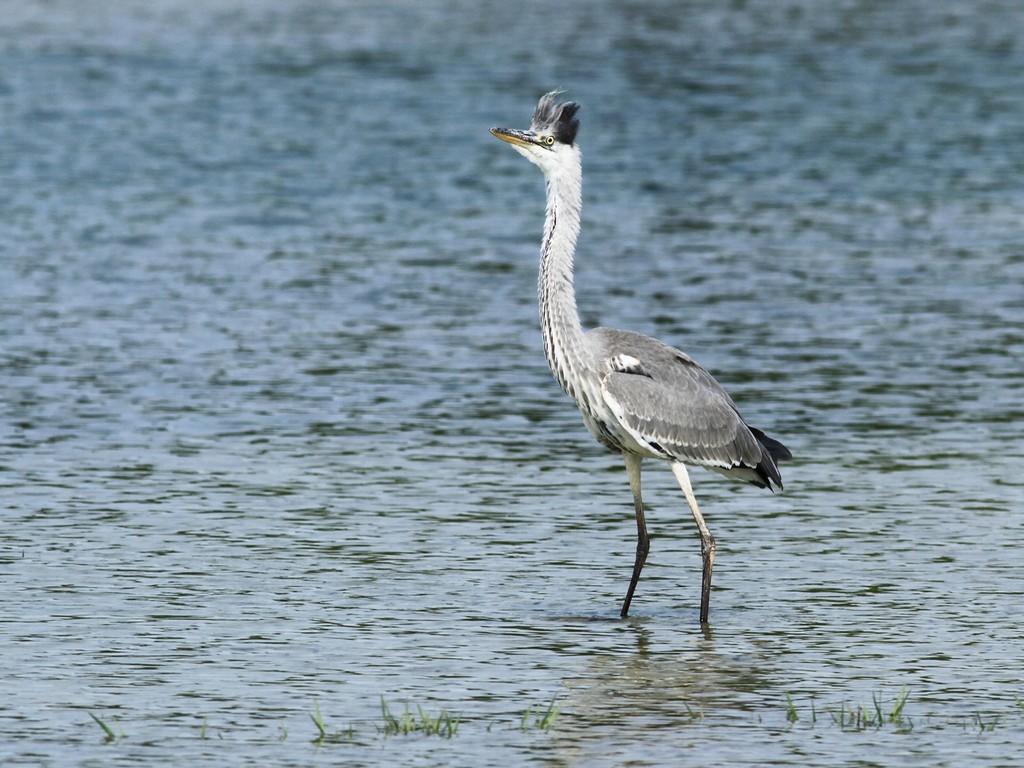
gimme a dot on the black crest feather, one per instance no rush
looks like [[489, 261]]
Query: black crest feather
[[558, 119]]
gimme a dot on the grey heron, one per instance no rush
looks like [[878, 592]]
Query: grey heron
[[637, 395]]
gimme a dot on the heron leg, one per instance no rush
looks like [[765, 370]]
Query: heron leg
[[707, 541], [643, 541]]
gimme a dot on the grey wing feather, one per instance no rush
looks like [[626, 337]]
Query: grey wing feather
[[667, 401]]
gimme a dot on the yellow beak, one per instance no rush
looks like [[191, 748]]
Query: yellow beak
[[512, 136]]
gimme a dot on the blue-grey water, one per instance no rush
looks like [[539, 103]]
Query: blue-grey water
[[277, 435]]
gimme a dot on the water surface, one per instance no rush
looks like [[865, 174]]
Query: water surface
[[277, 431]]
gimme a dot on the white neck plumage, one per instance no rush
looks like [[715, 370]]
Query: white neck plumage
[[560, 321]]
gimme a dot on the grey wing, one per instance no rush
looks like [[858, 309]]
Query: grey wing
[[673, 407]]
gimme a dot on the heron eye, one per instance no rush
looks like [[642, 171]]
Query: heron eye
[[549, 140]]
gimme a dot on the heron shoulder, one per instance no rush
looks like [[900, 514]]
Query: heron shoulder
[[630, 352]]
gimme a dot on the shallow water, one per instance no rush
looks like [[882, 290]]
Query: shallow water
[[277, 431]]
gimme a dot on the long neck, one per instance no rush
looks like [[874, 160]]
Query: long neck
[[560, 321]]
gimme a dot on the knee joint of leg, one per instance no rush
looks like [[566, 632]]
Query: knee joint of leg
[[707, 546]]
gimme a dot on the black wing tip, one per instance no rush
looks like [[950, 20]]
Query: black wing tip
[[775, 449], [768, 476], [771, 451]]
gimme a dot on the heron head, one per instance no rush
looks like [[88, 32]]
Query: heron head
[[551, 135]]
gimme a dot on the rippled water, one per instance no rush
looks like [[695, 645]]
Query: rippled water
[[277, 433]]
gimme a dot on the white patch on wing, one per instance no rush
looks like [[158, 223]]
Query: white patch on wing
[[623, 363]]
